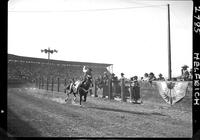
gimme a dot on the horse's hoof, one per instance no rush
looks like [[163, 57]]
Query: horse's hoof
[[73, 102]]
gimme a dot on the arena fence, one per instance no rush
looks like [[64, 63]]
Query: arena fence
[[111, 89]]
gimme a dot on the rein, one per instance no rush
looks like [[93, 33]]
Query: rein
[[84, 89]]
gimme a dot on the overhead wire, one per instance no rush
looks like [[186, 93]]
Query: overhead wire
[[85, 10], [146, 5]]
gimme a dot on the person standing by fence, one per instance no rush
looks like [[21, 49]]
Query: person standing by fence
[[146, 77], [135, 89], [114, 84], [184, 73], [105, 84], [160, 77], [151, 78], [191, 74], [122, 87]]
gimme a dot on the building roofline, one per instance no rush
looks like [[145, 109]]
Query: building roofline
[[10, 56]]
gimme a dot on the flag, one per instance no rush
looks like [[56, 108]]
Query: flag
[[110, 69], [172, 91]]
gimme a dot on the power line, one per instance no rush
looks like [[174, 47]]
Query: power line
[[125, 8], [147, 4]]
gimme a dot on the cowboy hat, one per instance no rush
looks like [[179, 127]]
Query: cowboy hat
[[135, 78], [185, 66], [151, 73]]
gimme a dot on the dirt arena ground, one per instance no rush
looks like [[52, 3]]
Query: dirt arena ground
[[38, 113]]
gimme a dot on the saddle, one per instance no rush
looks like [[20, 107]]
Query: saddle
[[75, 85]]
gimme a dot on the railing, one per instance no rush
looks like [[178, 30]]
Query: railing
[[51, 84], [111, 89]]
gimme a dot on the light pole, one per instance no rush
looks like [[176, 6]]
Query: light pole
[[49, 51]]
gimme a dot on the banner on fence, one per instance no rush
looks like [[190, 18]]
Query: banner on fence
[[172, 91]]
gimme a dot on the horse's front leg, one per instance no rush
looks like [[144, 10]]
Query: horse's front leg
[[85, 97], [80, 94], [67, 97], [74, 96], [80, 99]]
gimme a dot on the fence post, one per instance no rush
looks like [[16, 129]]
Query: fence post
[[122, 90], [42, 82], [114, 88], [65, 81], [65, 85], [90, 91], [131, 93], [110, 89], [47, 83], [52, 85], [36, 82], [105, 88], [39, 82], [58, 84], [95, 89]]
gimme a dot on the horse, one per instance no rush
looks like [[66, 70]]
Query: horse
[[81, 88]]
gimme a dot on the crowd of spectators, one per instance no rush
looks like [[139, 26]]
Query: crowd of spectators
[[149, 77], [30, 71]]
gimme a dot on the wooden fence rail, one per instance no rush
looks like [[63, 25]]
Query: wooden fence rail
[[111, 89]]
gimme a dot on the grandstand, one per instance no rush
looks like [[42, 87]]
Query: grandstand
[[29, 68]]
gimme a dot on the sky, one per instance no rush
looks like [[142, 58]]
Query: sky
[[130, 34]]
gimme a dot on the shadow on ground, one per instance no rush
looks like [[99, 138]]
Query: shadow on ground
[[126, 111], [16, 127]]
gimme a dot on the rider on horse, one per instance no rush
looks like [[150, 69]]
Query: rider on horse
[[73, 83], [81, 87], [87, 73]]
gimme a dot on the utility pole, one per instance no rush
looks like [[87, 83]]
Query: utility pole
[[169, 46]]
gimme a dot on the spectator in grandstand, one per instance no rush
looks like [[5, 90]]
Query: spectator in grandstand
[[146, 77], [185, 73], [161, 78]]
